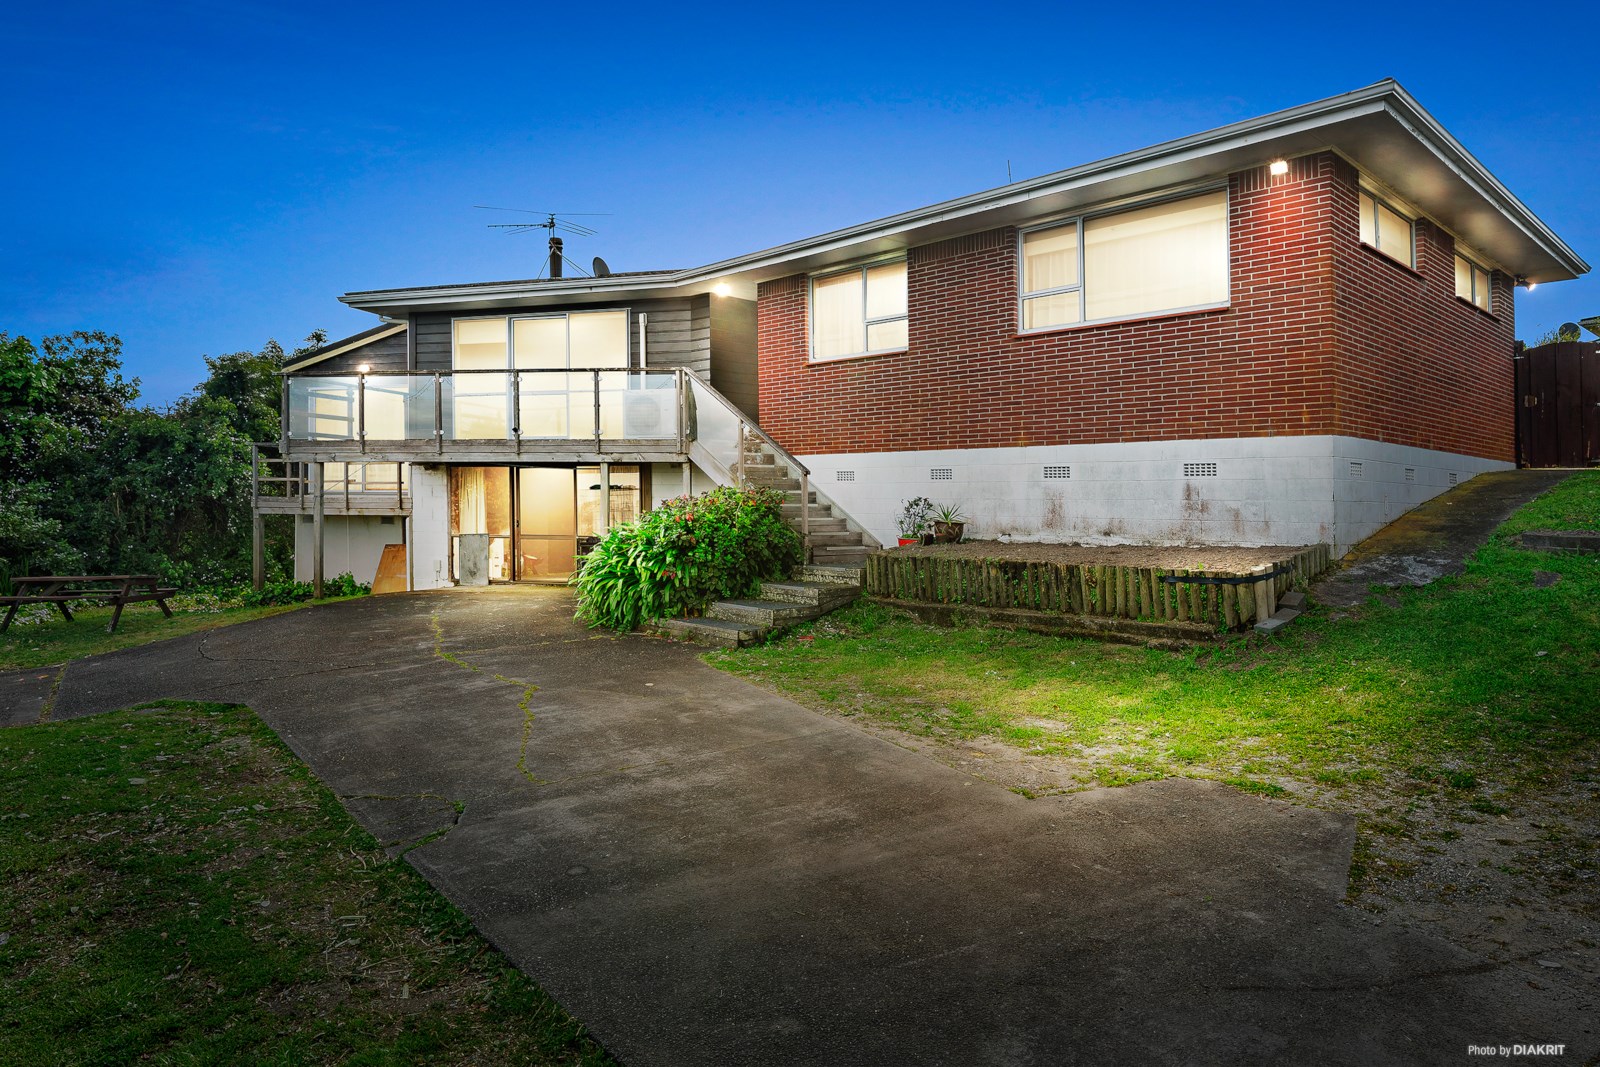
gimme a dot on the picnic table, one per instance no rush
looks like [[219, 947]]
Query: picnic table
[[119, 590]]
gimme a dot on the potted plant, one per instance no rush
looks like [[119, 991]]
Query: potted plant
[[915, 515], [948, 523]]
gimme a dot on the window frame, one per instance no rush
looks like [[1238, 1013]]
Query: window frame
[[1079, 220], [1410, 262], [859, 268], [511, 318], [1475, 269]]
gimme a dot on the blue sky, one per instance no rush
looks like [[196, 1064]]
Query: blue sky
[[206, 177]]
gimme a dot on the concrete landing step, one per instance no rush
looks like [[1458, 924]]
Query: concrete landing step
[[765, 613], [824, 595], [718, 632], [833, 574], [840, 555], [1277, 620]]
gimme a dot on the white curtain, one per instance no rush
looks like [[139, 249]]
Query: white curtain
[[1159, 258], [472, 507]]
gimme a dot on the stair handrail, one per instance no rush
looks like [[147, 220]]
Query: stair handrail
[[745, 421], [694, 382]]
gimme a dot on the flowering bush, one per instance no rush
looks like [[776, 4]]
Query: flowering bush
[[686, 553]]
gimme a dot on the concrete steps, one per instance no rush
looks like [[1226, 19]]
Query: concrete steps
[[815, 591]]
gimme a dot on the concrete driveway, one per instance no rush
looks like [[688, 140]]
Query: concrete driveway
[[706, 873]]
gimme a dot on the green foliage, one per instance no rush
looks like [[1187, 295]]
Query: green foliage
[[91, 482], [292, 592], [30, 542], [916, 516], [685, 554]]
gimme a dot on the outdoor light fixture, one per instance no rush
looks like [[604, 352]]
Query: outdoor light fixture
[[722, 289], [365, 368], [1278, 168], [1522, 280]]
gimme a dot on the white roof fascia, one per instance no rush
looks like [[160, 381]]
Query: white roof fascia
[[342, 349]]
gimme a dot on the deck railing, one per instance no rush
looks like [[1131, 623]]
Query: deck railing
[[486, 406]]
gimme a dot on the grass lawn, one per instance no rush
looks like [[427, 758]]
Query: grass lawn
[[1461, 696], [39, 639], [180, 889]]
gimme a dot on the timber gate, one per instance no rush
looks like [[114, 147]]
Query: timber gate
[[1558, 405]]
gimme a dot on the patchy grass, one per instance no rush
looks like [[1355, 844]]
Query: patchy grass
[[1476, 686], [180, 889], [40, 637]]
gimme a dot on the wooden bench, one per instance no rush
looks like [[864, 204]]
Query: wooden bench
[[119, 590]]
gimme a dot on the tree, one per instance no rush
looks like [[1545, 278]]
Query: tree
[[67, 393]]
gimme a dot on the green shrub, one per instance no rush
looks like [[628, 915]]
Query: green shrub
[[685, 554], [291, 592]]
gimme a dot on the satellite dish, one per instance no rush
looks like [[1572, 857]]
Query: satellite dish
[[601, 270], [1569, 331]]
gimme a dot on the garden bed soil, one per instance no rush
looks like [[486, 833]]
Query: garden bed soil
[[1205, 557]]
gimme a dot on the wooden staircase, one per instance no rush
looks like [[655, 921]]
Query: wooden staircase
[[816, 590]]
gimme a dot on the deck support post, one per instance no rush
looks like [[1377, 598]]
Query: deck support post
[[319, 489], [688, 479], [257, 532], [258, 562], [605, 499]]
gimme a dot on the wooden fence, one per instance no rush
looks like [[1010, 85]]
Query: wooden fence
[[1090, 589]]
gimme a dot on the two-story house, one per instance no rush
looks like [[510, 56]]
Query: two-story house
[[1289, 330]]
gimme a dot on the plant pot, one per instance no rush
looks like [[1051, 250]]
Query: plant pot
[[904, 541], [948, 533]]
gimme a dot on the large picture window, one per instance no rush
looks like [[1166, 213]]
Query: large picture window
[[576, 339], [859, 312], [1171, 256]]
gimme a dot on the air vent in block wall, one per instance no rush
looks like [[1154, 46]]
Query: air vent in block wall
[[1411, 474], [1058, 472], [1452, 477], [942, 474], [844, 476], [1199, 470], [1355, 468]]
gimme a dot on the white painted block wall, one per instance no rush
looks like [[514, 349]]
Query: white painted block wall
[[352, 543], [1265, 491], [430, 527]]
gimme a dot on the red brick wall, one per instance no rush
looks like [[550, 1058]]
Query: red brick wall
[[1417, 365], [1266, 365]]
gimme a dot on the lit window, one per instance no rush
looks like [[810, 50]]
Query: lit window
[[1165, 257], [1386, 229], [1472, 283], [859, 312]]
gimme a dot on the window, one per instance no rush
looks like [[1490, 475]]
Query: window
[[578, 339], [1386, 229], [1171, 256], [1472, 283], [543, 348], [859, 312]]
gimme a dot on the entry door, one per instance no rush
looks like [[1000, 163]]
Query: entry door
[[547, 523]]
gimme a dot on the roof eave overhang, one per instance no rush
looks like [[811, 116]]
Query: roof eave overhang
[[489, 296]]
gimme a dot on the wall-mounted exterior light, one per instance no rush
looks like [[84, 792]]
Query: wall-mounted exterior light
[[365, 368], [722, 289], [1278, 168]]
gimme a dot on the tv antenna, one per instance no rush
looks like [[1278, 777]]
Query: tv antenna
[[554, 221]]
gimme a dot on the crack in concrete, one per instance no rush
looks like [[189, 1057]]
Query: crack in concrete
[[47, 709], [458, 807], [524, 703]]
